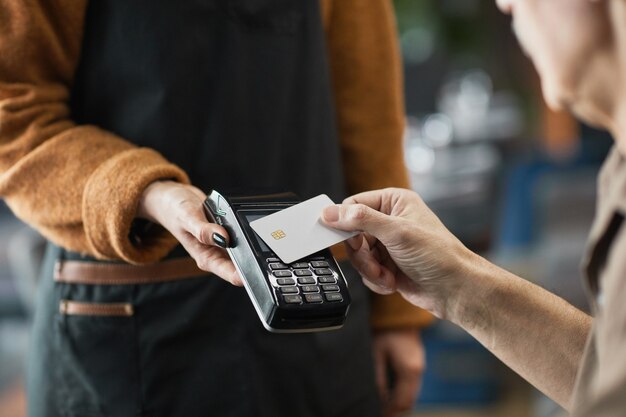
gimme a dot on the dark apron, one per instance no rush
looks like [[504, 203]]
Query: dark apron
[[237, 93]]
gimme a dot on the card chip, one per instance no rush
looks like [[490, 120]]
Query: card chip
[[278, 234]]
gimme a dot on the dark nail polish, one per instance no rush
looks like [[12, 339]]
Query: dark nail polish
[[219, 240]]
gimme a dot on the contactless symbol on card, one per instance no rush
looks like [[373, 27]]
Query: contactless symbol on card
[[278, 234]]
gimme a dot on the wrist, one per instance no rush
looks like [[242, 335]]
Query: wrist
[[464, 305], [445, 288], [152, 200]]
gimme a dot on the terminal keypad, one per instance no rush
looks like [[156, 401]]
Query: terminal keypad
[[310, 281]]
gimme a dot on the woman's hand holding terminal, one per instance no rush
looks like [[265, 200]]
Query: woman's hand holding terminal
[[178, 208]]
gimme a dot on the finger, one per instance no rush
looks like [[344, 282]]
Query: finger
[[385, 259], [357, 217], [373, 199], [380, 366], [194, 222], [365, 263], [404, 393], [222, 266], [377, 288], [370, 240], [382, 286], [408, 364], [372, 271], [211, 259], [379, 253], [355, 242], [361, 239]]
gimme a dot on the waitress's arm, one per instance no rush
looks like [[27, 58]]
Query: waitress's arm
[[78, 185], [367, 85], [366, 74]]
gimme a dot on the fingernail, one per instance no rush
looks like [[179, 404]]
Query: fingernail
[[384, 286], [220, 240], [331, 213]]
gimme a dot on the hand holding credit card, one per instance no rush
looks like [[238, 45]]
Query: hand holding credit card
[[296, 232]]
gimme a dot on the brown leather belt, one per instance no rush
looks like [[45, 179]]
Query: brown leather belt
[[94, 273]]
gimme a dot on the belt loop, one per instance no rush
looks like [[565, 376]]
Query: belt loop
[[58, 268]]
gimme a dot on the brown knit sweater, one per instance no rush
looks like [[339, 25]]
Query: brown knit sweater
[[80, 185]]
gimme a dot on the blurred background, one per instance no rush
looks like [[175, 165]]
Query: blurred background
[[515, 181]]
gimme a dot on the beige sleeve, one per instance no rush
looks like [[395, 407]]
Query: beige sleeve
[[605, 384], [77, 185], [367, 84]]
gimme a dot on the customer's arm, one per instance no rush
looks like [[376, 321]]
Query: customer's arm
[[405, 248], [79, 185], [536, 333]]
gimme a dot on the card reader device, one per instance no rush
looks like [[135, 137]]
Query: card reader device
[[308, 295]]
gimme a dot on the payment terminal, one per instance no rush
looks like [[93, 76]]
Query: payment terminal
[[308, 295]]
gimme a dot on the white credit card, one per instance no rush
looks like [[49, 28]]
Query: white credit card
[[297, 231]]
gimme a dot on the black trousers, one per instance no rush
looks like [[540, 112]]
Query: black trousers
[[189, 347]]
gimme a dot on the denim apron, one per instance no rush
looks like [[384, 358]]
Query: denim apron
[[237, 93]]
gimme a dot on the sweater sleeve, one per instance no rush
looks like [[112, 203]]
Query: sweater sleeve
[[78, 185], [367, 83]]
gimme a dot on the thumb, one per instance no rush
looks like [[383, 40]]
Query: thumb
[[357, 217], [195, 222]]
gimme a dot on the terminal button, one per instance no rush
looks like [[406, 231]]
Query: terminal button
[[313, 298], [285, 281], [293, 299], [333, 297], [310, 288]]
